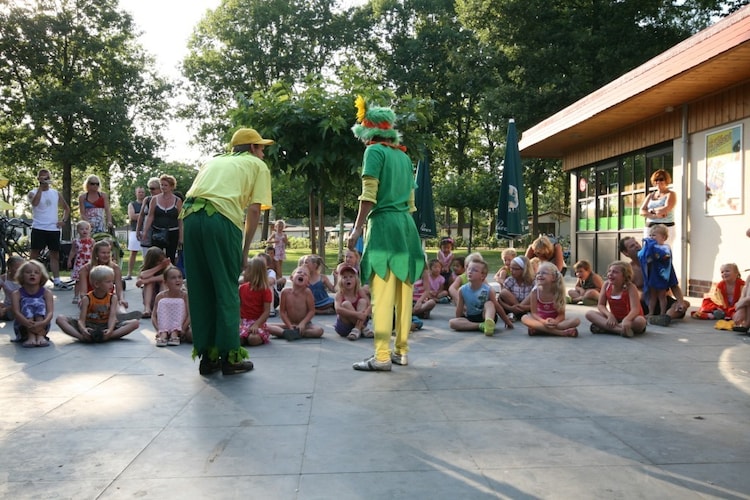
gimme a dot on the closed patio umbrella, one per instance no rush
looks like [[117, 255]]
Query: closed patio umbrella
[[424, 217], [512, 219]]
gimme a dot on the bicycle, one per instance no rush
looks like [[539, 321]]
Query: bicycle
[[15, 240]]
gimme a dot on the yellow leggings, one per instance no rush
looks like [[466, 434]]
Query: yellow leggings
[[387, 294]]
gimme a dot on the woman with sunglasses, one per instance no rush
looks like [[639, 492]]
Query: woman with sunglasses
[[658, 207], [94, 206]]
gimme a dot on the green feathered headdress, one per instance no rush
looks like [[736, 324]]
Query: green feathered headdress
[[375, 121]]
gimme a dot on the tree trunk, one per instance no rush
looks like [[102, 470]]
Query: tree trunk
[[460, 222], [534, 213], [311, 224], [321, 229], [341, 229], [471, 228]]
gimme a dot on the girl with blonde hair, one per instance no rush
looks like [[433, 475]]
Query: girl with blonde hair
[[547, 306]]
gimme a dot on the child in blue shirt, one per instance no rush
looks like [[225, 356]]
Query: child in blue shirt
[[477, 307]]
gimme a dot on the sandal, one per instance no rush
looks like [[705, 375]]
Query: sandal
[[146, 314], [161, 340], [354, 334], [367, 333], [173, 340]]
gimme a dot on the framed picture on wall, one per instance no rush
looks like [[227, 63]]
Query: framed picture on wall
[[724, 171]]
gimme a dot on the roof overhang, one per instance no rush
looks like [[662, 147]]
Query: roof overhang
[[712, 60]]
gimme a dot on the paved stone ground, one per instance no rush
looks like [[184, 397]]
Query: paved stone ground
[[664, 415]]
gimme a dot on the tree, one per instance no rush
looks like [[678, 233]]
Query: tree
[[312, 130], [244, 46], [556, 52], [473, 190], [423, 50], [78, 91]]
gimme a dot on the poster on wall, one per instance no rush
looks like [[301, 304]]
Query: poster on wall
[[724, 172]]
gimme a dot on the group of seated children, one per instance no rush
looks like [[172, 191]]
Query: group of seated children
[[535, 295]]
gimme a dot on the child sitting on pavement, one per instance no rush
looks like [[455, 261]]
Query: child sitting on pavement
[[504, 272], [33, 305], [547, 313], [352, 304], [256, 300], [514, 294], [586, 289], [171, 316], [422, 304], [97, 321], [721, 301], [9, 285], [151, 277], [297, 309], [435, 284], [462, 278], [319, 285], [477, 307], [619, 308], [741, 316]]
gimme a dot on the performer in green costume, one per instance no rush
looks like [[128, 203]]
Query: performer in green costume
[[212, 216], [392, 258]]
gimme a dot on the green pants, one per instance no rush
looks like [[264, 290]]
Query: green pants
[[213, 251]]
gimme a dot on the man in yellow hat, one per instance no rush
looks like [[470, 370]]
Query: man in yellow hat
[[213, 212]]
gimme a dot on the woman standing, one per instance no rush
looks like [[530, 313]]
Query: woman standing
[[163, 218], [94, 206], [658, 207]]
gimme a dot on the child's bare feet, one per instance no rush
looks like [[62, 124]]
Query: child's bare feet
[[570, 332]]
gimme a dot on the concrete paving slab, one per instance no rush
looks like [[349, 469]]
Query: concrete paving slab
[[663, 415]]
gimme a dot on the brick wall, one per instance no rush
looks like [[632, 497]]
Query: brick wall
[[696, 288]]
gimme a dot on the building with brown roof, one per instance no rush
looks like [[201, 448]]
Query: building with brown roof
[[686, 111]]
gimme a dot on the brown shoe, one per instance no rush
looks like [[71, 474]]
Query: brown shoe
[[235, 368], [207, 367]]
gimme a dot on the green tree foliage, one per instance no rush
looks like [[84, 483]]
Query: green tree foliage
[[78, 91], [477, 62], [558, 51], [477, 191], [422, 49], [248, 45], [314, 142]]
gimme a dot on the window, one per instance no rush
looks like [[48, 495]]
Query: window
[[633, 191], [608, 199], [610, 195], [586, 212]]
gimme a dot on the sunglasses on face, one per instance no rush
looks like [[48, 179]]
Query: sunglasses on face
[[659, 179], [93, 183], [153, 188]]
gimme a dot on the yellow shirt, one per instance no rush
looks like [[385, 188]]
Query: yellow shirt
[[232, 182]]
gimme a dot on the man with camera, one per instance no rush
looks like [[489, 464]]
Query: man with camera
[[45, 227]]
